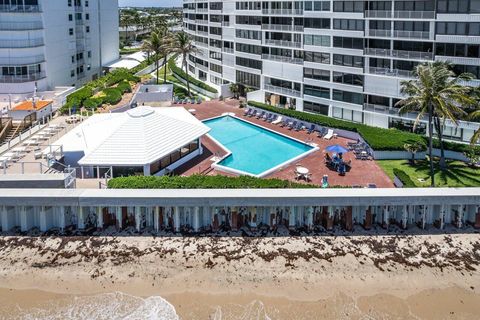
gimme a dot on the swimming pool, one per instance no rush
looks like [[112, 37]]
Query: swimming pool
[[254, 150]]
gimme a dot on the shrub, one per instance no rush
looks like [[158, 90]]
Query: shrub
[[112, 96], [404, 178], [179, 72], [378, 138], [202, 182], [124, 86], [93, 103], [179, 92]]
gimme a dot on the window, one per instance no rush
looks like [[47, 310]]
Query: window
[[317, 5], [70, 31], [316, 40], [458, 6], [248, 48], [69, 3], [348, 43], [248, 34], [458, 28], [317, 23], [318, 57], [249, 63], [70, 17], [315, 107], [216, 68], [87, 29], [346, 96], [348, 6], [346, 114], [348, 78], [316, 74], [348, 24], [348, 61], [72, 73], [248, 79], [316, 91]]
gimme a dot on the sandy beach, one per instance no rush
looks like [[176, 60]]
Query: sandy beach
[[302, 277]]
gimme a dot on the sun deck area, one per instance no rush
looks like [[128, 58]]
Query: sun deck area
[[363, 173]]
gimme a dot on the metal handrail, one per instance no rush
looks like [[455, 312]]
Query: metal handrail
[[399, 53], [282, 59], [282, 90]]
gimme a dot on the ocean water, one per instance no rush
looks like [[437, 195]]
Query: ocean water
[[104, 306], [121, 306], [254, 149]]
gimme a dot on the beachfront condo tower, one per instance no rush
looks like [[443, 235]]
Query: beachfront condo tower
[[52, 43], [343, 59]]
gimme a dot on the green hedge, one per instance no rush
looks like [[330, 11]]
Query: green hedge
[[377, 138], [112, 96], [93, 103], [124, 86], [202, 182], [404, 178], [179, 72]]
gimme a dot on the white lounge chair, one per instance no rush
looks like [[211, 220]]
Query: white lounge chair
[[278, 120], [329, 134]]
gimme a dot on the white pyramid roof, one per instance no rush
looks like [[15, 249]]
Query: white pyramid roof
[[138, 136]]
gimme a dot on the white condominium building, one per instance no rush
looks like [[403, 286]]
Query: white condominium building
[[54, 43], [344, 59]]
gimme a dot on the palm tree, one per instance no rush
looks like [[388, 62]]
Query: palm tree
[[475, 115], [183, 45], [435, 92], [154, 44], [414, 147]]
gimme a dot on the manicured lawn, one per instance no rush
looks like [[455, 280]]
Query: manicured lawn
[[457, 175]]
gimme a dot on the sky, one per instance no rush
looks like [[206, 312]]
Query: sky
[[150, 3]]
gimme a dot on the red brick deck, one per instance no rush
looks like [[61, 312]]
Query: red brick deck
[[362, 172]]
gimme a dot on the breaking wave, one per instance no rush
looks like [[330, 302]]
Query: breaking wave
[[106, 306]]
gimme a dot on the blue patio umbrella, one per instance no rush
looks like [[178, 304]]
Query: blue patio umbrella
[[336, 148]]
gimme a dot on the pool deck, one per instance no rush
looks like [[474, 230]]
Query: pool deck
[[363, 172]]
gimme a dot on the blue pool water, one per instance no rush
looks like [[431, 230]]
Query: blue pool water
[[254, 149]]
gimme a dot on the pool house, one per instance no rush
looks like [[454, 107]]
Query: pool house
[[141, 141]]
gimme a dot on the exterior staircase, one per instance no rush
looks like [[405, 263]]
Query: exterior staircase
[[14, 131]]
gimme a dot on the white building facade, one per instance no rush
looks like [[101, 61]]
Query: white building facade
[[55, 43], [343, 59]]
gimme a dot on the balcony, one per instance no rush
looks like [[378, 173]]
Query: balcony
[[379, 33], [21, 26], [204, 22], [282, 27], [202, 33], [22, 78], [411, 34], [378, 14], [228, 50], [402, 54], [226, 23], [202, 10], [391, 111], [19, 61], [29, 43], [19, 8], [283, 43], [282, 91], [414, 14], [283, 11], [391, 72], [277, 58], [78, 9]]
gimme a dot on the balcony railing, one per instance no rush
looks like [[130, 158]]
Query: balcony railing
[[226, 23], [18, 61], [22, 78], [414, 14], [416, 55], [283, 43], [378, 14], [202, 33], [19, 8], [283, 11], [282, 27], [198, 21], [228, 50], [282, 59], [400, 14], [20, 26], [281, 90], [202, 9], [379, 33], [411, 34], [388, 111], [391, 72], [29, 43], [78, 9]]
